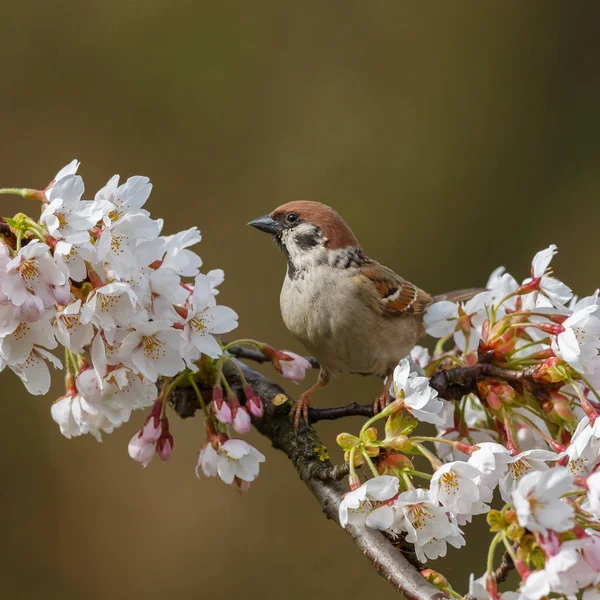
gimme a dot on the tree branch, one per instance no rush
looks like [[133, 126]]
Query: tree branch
[[309, 457], [450, 384], [259, 357]]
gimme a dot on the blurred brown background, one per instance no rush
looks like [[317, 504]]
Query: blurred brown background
[[452, 136]]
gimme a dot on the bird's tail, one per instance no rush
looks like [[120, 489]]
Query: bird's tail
[[459, 295]]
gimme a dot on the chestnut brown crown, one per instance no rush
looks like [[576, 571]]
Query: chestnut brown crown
[[335, 231]]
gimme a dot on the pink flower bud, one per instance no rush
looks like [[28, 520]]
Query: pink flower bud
[[241, 420], [164, 446], [253, 402], [293, 366], [241, 486], [221, 408], [141, 450], [496, 393], [151, 431], [551, 370], [223, 412], [550, 543]]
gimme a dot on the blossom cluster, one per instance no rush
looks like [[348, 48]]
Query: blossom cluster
[[528, 433], [133, 314]]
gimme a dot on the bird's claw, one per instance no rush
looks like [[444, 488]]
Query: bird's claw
[[300, 410], [381, 401]]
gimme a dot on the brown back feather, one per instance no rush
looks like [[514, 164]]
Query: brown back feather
[[396, 296]]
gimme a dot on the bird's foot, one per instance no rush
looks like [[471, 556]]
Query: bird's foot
[[380, 402], [384, 397], [300, 410]]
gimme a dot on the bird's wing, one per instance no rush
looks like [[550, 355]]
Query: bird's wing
[[390, 294]]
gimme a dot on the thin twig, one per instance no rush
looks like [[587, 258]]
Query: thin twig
[[506, 566], [256, 356], [337, 412]]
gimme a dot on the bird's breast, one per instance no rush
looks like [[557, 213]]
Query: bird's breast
[[327, 312]]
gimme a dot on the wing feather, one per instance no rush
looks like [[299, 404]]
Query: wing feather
[[393, 295]]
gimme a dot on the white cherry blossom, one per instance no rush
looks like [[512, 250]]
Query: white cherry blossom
[[593, 497], [537, 501], [110, 305], [584, 450], [32, 271], [579, 341], [17, 342], [177, 256], [463, 320], [234, 458], [522, 464], [294, 369], [419, 398], [552, 292], [492, 461], [72, 257], [153, 349], [69, 169], [34, 371], [204, 319], [67, 216], [427, 525], [359, 501], [70, 331], [459, 488]]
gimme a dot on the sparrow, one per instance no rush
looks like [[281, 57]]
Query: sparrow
[[350, 312]]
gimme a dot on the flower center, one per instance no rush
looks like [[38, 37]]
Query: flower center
[[29, 269], [419, 516], [520, 468], [62, 220], [21, 331], [152, 348], [578, 466], [450, 483], [115, 214]]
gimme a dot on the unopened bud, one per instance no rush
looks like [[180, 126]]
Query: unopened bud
[[435, 578], [253, 402], [515, 532], [563, 410], [241, 420], [553, 370], [495, 520], [400, 442], [496, 393], [370, 435], [221, 409], [164, 445], [395, 464], [347, 441]]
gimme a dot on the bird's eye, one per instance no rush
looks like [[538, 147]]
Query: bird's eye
[[292, 218]]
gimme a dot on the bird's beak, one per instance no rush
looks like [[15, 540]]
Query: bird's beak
[[265, 224]]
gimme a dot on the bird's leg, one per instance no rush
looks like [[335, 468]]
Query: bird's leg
[[384, 395], [302, 404]]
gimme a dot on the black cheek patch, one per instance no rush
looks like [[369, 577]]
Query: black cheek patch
[[306, 241]]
